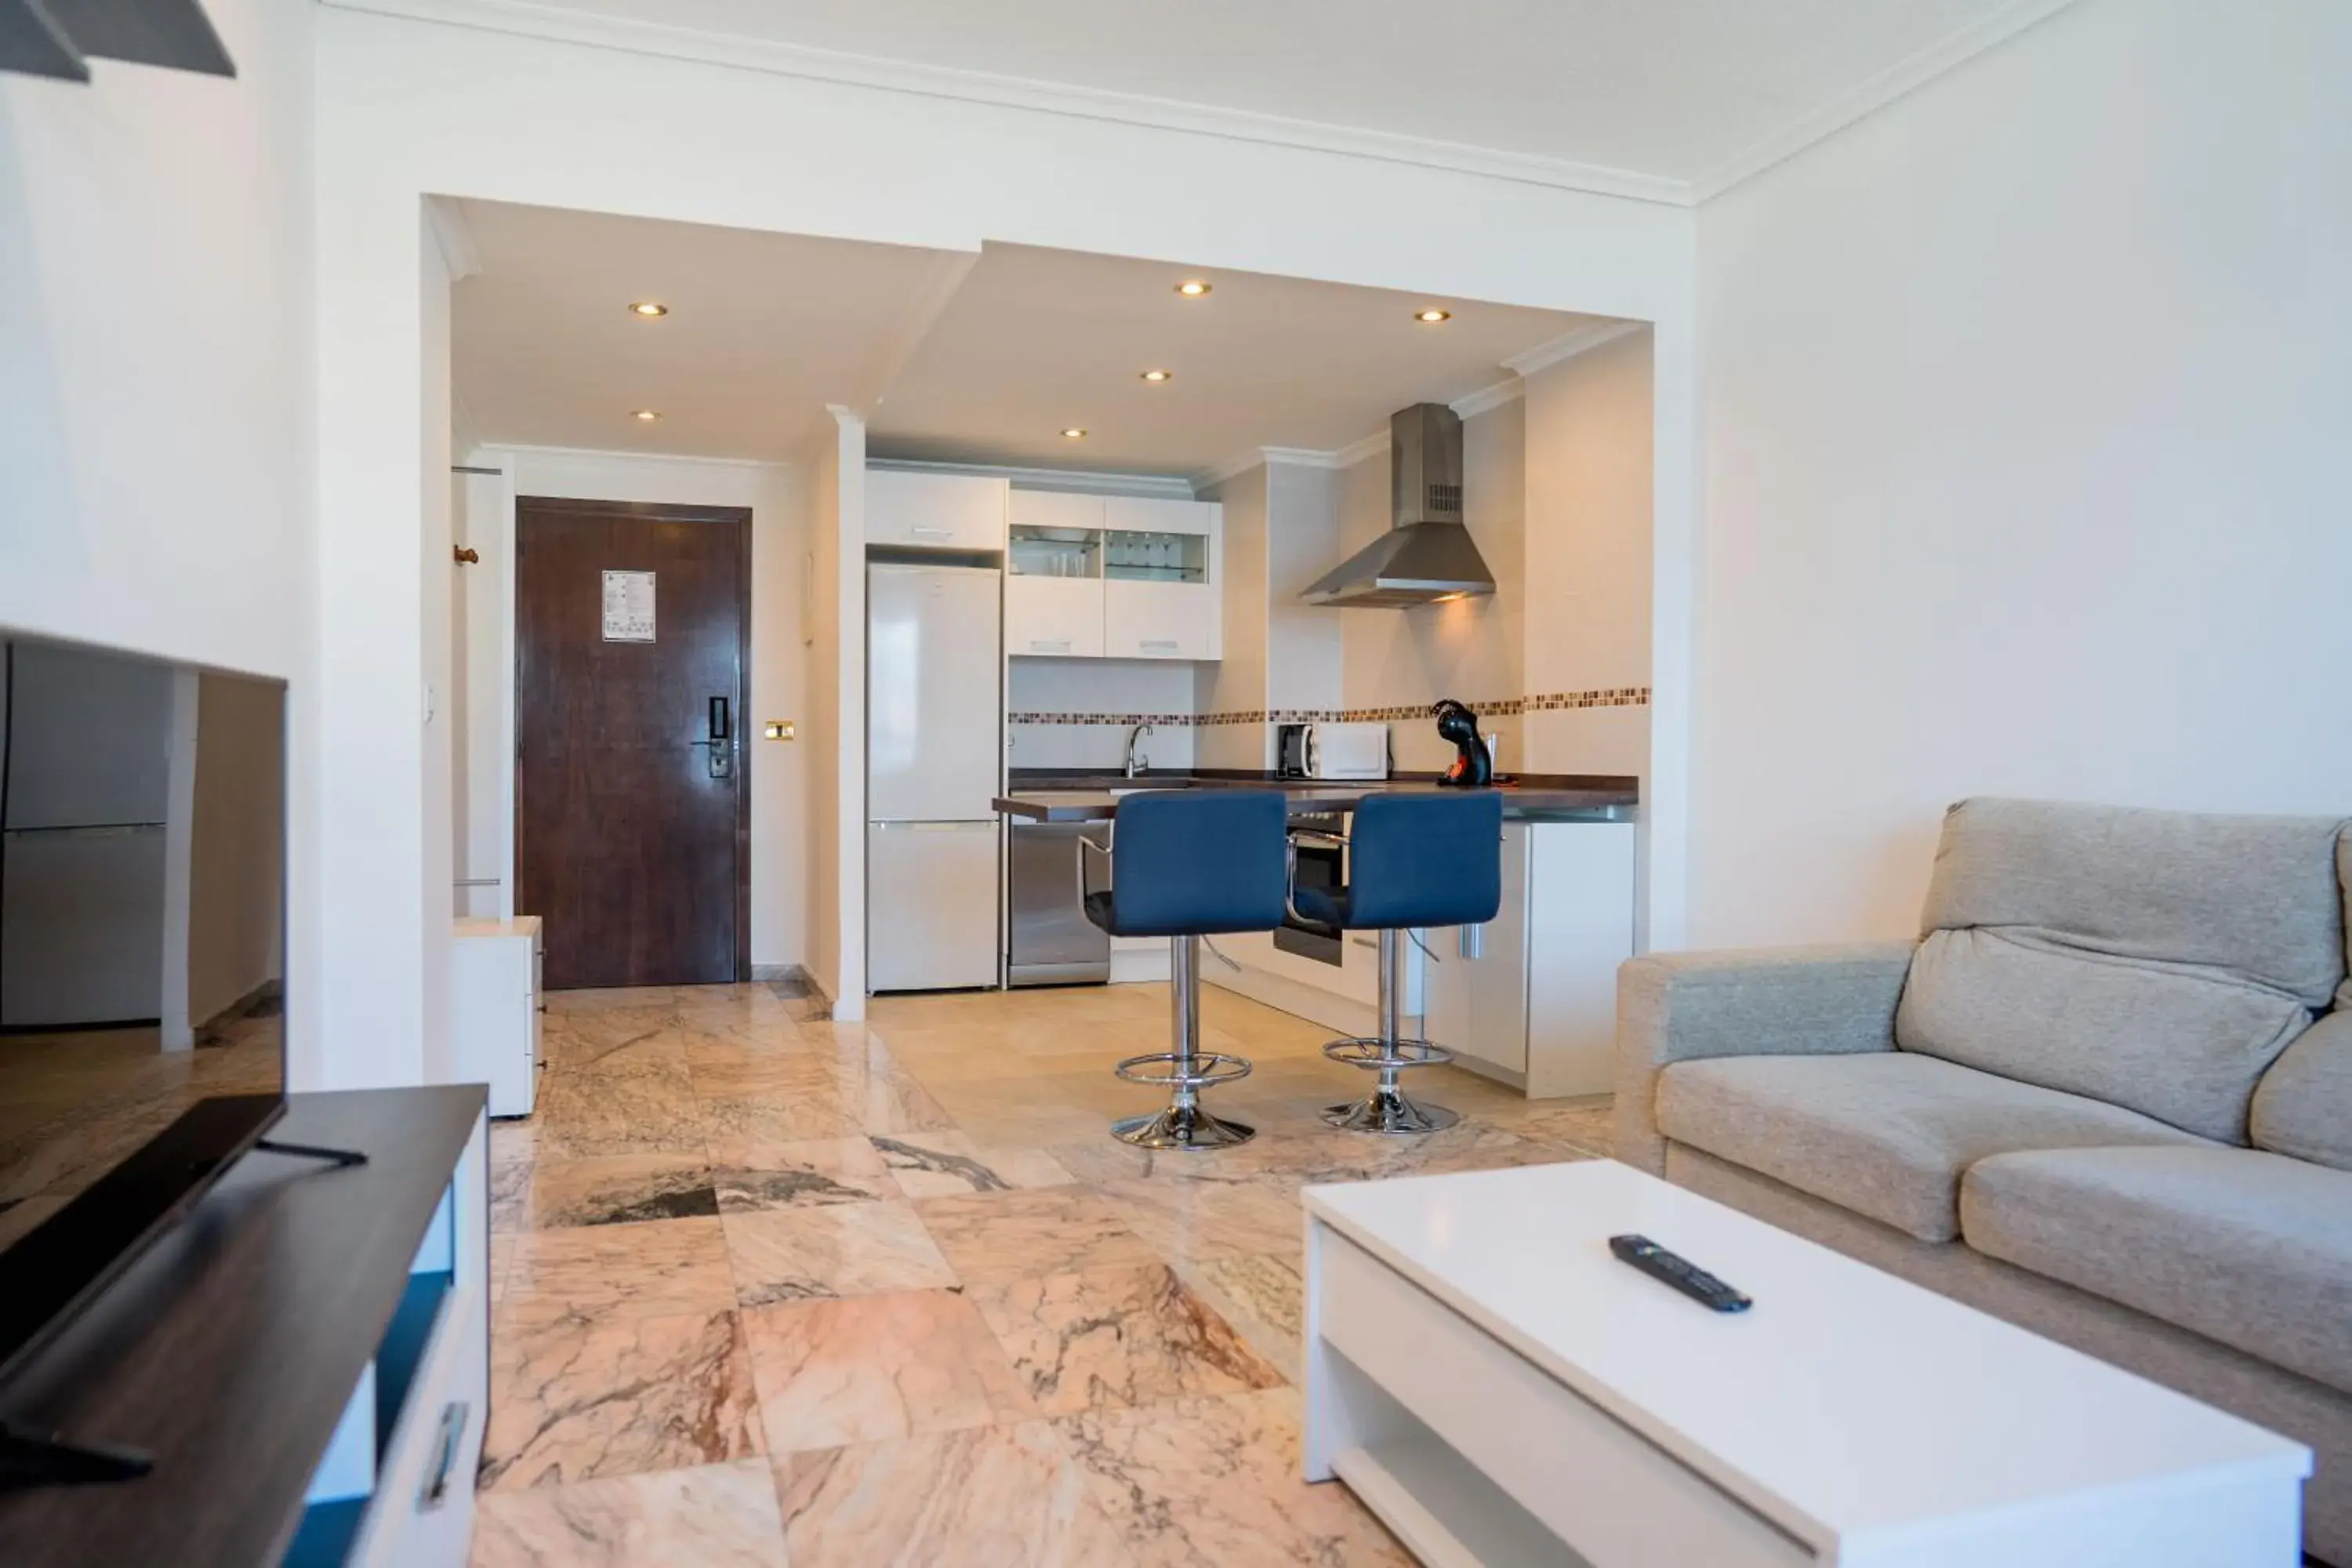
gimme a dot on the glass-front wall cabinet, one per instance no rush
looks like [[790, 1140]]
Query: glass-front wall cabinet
[[1112, 576]]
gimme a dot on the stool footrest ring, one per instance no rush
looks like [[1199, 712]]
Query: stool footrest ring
[[1372, 1053], [1209, 1068]]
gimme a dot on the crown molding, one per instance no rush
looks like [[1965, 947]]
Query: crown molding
[[1898, 80], [1510, 389], [613, 454], [453, 232], [1079, 481], [1355, 452], [522, 19], [1584, 340]]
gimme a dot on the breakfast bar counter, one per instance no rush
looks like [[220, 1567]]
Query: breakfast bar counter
[[1537, 797]]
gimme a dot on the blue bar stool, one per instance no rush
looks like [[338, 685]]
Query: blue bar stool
[[1189, 863], [1184, 864], [1412, 860]]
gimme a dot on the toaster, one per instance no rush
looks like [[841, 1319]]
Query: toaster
[[1346, 750]]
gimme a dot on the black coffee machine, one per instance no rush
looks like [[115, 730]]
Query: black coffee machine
[[1474, 765]]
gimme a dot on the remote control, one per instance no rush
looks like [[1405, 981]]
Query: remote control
[[1679, 1273]]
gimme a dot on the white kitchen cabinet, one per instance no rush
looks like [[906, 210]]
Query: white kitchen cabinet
[[937, 511], [1159, 620], [1531, 998], [1153, 514], [1058, 617], [1053, 575]]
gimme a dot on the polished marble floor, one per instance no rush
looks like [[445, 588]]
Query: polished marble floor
[[776, 1290]]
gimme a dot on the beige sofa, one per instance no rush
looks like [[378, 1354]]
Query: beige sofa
[[2104, 1097]]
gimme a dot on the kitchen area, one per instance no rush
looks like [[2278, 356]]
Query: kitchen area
[[1041, 646]]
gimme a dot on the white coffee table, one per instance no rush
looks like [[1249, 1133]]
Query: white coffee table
[[1500, 1390]]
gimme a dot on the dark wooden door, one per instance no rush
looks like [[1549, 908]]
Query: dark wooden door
[[629, 844]]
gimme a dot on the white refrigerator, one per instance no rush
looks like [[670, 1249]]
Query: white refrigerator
[[934, 748]]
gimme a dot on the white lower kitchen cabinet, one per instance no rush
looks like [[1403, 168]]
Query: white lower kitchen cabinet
[[1160, 620], [1058, 617], [1531, 998]]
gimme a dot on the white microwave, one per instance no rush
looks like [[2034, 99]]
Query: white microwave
[[1346, 750]]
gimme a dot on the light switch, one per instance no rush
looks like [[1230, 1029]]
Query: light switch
[[777, 728]]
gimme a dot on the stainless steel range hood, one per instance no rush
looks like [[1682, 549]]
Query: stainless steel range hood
[[1426, 555]]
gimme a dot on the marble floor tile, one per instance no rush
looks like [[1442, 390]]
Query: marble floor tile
[[574, 1401], [939, 1165], [839, 1249], [712, 1516], [750, 1174], [1116, 1336], [1207, 1219], [591, 1111], [608, 1189], [1263, 1296], [808, 1111], [1029, 1233], [1204, 1483], [1586, 1124], [991, 1497], [890, 1365], [502, 1251], [595, 1273]]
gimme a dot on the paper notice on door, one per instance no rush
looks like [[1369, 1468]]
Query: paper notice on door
[[628, 606]]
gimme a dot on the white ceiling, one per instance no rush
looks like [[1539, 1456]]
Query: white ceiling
[[984, 359], [1039, 340], [1680, 90], [767, 329]]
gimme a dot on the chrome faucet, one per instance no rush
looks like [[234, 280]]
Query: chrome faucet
[[1135, 761]]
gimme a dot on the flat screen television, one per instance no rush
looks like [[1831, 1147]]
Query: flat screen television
[[143, 940]]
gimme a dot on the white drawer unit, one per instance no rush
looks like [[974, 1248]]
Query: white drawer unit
[[494, 1017], [936, 511]]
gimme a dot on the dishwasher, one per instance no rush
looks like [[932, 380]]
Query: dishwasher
[[1052, 943]]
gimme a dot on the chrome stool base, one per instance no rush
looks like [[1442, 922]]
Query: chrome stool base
[[1391, 1110], [1388, 1109], [1181, 1127], [1189, 1069]]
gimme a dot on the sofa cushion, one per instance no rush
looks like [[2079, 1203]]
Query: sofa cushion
[[2247, 1247], [2303, 1104], [2255, 898], [1886, 1135], [2183, 1046]]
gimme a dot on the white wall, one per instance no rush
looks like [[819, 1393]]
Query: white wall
[[1589, 548], [2026, 404], [156, 354], [777, 680], [835, 735], [1237, 683]]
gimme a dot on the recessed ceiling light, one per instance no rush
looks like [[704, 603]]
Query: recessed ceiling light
[[646, 415], [1431, 316], [1074, 433], [650, 309], [1192, 288], [1159, 375]]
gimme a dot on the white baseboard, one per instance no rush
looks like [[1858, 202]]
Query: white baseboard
[[1338, 1013]]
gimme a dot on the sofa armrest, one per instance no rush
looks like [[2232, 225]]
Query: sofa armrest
[[1781, 1001]]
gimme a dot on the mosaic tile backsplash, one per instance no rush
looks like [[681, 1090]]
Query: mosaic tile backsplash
[[1537, 702]]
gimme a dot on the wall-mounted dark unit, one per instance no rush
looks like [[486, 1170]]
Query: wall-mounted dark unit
[[59, 38]]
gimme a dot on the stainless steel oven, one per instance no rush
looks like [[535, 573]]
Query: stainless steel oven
[[1051, 942], [1321, 863]]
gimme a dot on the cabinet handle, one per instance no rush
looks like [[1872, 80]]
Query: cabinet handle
[[932, 532], [1049, 645], [1165, 644], [435, 1490]]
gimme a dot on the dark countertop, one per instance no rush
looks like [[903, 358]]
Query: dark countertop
[[1043, 795]]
